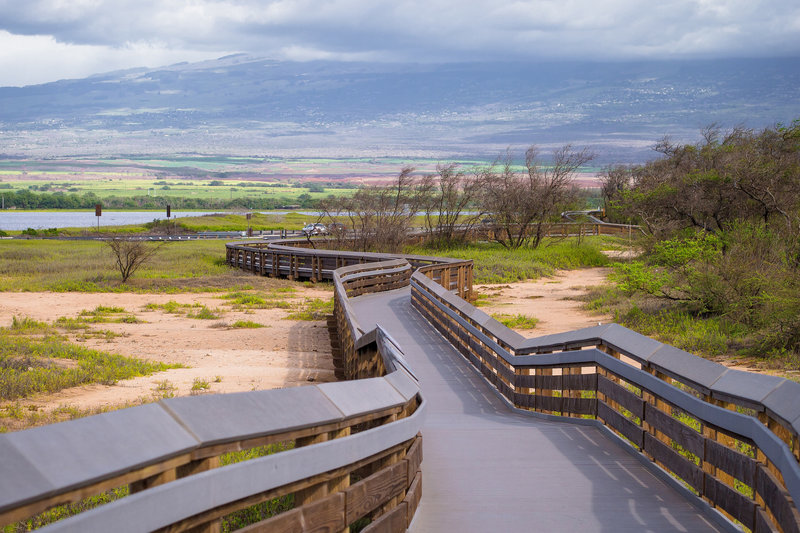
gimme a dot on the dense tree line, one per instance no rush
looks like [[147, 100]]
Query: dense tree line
[[26, 199], [724, 219]]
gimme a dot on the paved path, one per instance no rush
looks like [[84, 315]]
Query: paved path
[[487, 468]]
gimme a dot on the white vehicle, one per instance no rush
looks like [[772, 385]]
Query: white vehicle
[[315, 229]]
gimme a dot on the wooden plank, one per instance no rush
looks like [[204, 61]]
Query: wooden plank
[[685, 436], [525, 380], [413, 457], [731, 461], [622, 396], [614, 419], [392, 522], [763, 523], [375, 490], [777, 500], [547, 382], [580, 382], [548, 403], [675, 462], [413, 496], [731, 501], [580, 406]]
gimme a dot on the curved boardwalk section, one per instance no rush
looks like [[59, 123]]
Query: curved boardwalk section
[[598, 429], [487, 468]]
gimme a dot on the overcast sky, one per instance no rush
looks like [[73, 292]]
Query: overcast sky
[[46, 40]]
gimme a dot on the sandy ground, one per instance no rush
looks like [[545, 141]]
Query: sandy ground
[[285, 353], [551, 300]]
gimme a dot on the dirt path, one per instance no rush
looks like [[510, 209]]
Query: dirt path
[[284, 353], [551, 300]]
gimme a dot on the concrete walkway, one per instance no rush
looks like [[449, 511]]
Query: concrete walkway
[[487, 468]]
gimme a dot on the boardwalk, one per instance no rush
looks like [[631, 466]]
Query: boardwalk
[[487, 468]]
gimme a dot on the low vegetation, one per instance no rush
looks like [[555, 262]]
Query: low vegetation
[[516, 321], [86, 266], [36, 359], [495, 263], [723, 253]]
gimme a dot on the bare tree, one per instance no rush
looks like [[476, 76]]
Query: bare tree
[[523, 204], [448, 194], [379, 217], [130, 255]]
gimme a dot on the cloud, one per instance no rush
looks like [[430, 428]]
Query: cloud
[[105, 34]]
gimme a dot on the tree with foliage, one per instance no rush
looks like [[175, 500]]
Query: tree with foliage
[[723, 217]]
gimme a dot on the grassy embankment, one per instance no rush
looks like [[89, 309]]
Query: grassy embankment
[[717, 337], [495, 264], [37, 357], [215, 222]]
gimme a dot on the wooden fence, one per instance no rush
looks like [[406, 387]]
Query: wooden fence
[[352, 448], [730, 436]]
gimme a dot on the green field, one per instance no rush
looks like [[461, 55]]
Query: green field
[[126, 187]]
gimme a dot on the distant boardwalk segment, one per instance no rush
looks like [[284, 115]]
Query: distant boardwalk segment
[[598, 429]]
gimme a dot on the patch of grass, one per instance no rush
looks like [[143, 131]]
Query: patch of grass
[[246, 324], [30, 365], [495, 264], [88, 266], [29, 326], [200, 385], [203, 313], [164, 389], [313, 309], [517, 321]]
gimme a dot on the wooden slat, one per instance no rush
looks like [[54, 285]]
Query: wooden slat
[[580, 381], [580, 406], [614, 419], [326, 514], [685, 436], [377, 489], [548, 382], [392, 522], [734, 503], [777, 500], [622, 396], [413, 496], [731, 461], [763, 523], [548, 403], [675, 462]]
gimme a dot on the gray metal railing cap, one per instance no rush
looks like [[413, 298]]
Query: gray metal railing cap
[[365, 339], [686, 367], [218, 418], [98, 447], [362, 396], [20, 480], [403, 382], [430, 285], [745, 385], [559, 358], [784, 403], [559, 339], [630, 343]]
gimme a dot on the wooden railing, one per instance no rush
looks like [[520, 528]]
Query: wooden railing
[[295, 259], [730, 436], [352, 449]]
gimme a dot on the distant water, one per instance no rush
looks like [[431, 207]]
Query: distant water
[[20, 220]]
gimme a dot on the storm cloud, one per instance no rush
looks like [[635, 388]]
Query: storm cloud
[[44, 40]]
